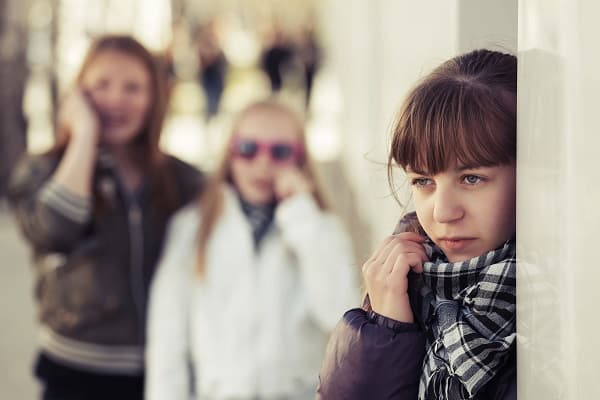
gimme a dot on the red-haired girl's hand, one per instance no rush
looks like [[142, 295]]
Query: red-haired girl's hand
[[78, 116], [385, 274]]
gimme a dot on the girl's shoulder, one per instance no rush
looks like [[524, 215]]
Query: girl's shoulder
[[181, 167], [189, 179], [185, 218]]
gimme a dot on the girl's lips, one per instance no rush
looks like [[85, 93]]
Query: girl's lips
[[115, 123], [263, 184], [456, 243], [112, 121]]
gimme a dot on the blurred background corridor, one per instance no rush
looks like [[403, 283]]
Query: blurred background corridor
[[346, 65]]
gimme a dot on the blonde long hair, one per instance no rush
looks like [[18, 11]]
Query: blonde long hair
[[211, 200]]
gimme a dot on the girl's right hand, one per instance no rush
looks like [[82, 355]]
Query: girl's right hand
[[385, 274], [290, 181], [78, 116]]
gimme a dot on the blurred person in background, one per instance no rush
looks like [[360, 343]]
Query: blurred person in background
[[252, 276], [168, 60], [213, 67], [94, 209], [309, 57], [277, 56]]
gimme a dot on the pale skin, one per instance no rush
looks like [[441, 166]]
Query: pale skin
[[291, 181], [465, 211], [262, 180], [107, 108], [385, 274], [77, 164]]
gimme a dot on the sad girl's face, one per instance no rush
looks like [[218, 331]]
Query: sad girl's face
[[466, 211]]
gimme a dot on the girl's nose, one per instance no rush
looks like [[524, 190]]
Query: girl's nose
[[116, 97], [111, 98], [263, 160], [447, 206]]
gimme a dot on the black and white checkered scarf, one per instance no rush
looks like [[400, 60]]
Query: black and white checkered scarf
[[468, 312]]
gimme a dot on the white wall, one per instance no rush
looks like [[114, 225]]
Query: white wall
[[487, 23], [558, 215], [377, 50]]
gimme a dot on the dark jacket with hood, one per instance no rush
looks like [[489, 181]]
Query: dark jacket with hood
[[373, 357]]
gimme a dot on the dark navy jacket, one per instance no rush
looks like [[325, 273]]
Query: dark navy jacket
[[371, 357]]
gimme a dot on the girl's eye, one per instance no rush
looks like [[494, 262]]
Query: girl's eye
[[421, 182], [472, 179]]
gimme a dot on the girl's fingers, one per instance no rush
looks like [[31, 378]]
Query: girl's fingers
[[412, 236], [417, 268], [393, 253], [407, 246], [403, 246], [290, 180], [394, 248], [392, 256], [383, 255], [405, 263], [384, 248]]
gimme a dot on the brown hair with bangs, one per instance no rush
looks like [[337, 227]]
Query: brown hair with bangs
[[145, 149], [463, 112], [211, 200]]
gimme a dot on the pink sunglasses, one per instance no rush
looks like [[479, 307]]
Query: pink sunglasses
[[279, 152]]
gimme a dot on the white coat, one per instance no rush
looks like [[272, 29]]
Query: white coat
[[257, 323]]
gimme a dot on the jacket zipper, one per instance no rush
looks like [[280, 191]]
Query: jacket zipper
[[136, 239]]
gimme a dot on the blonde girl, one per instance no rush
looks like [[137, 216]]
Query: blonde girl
[[253, 276]]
